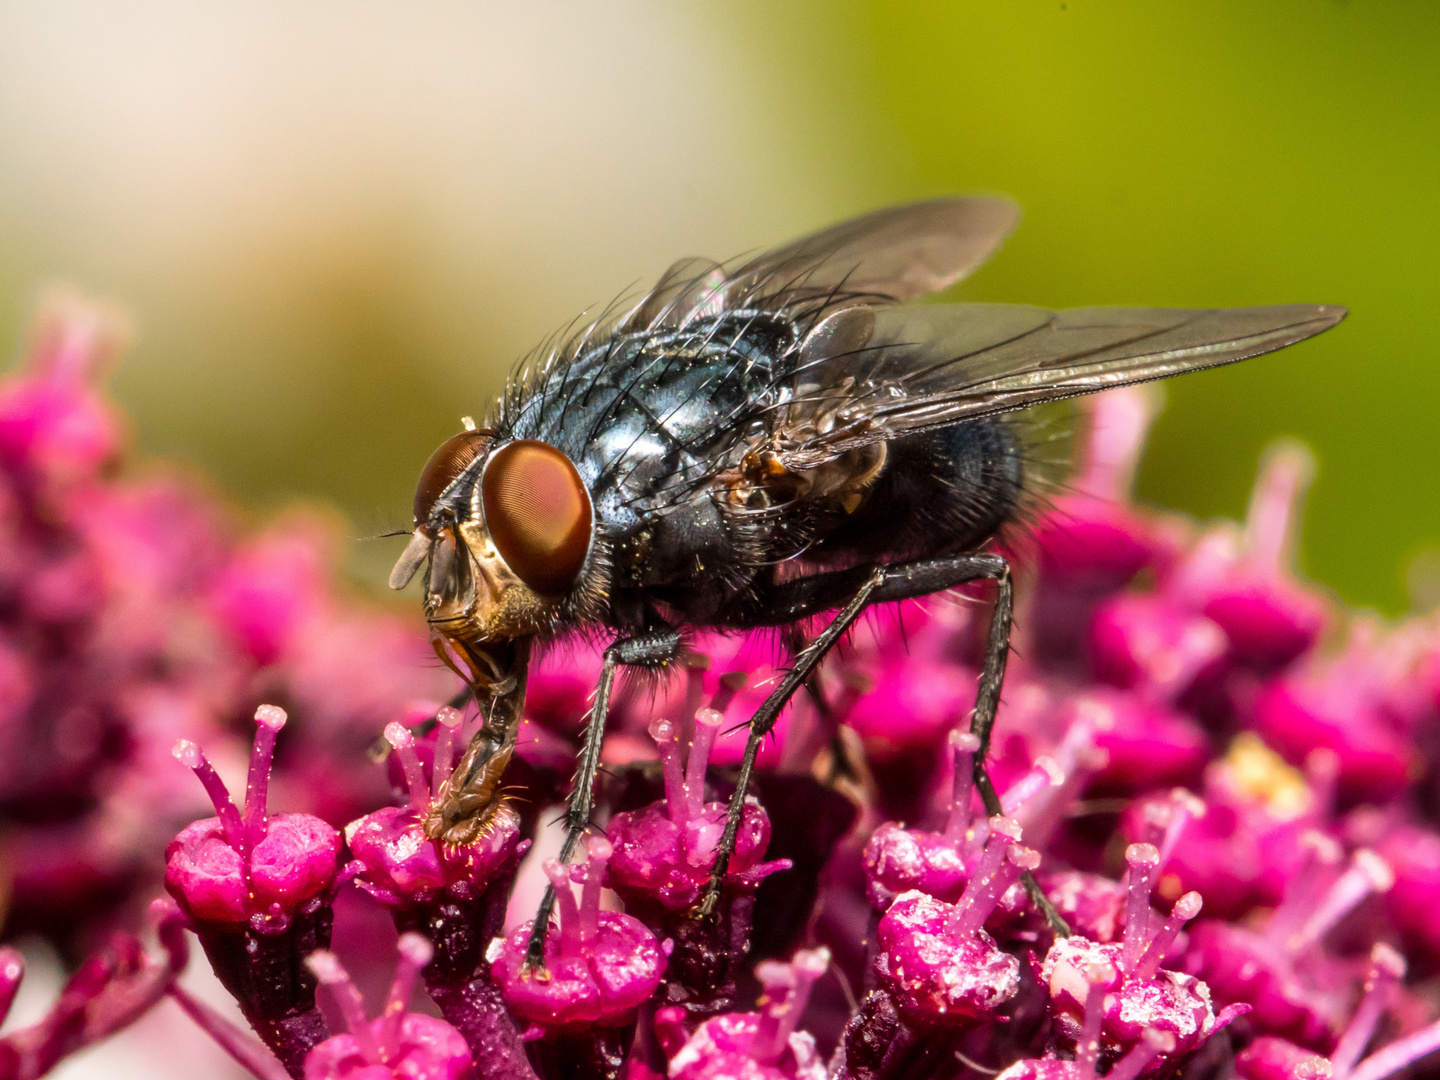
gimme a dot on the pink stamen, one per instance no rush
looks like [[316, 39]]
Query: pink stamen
[[450, 721], [1144, 862], [192, 757], [570, 936], [12, 970], [1270, 524], [1002, 832], [403, 745], [667, 740], [1400, 1053], [1043, 775], [1164, 822], [249, 1051], [1185, 909], [707, 726], [599, 851], [854, 684], [787, 992], [1099, 975], [1322, 855], [1211, 559], [1151, 1045], [1017, 860], [1118, 422], [696, 665], [731, 683], [965, 746], [1387, 968], [1367, 873], [268, 722], [1077, 758], [1322, 773], [415, 953], [326, 967]]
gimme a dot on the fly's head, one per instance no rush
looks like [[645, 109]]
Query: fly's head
[[505, 530]]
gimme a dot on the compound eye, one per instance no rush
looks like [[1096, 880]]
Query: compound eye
[[445, 466], [538, 513]]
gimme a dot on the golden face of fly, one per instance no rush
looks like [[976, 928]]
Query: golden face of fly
[[506, 531]]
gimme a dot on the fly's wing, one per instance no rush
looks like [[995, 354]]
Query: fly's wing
[[867, 375], [886, 257]]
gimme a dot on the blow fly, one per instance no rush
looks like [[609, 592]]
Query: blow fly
[[753, 445]]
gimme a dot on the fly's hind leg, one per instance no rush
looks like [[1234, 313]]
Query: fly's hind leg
[[654, 648], [863, 586]]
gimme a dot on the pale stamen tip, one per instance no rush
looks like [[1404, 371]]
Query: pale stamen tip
[[326, 967], [1023, 857], [450, 718], [814, 962], [709, 718], [598, 848], [271, 716], [1051, 768], [398, 735], [1006, 827], [1142, 855], [1188, 906], [187, 753], [1386, 959], [964, 742], [1375, 869], [415, 949]]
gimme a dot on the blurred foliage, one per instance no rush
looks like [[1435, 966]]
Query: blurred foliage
[[443, 184]]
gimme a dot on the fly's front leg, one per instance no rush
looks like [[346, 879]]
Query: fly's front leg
[[653, 649]]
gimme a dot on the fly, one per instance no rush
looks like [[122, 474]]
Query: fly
[[754, 445]]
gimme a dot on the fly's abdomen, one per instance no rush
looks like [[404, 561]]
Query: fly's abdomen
[[939, 492]]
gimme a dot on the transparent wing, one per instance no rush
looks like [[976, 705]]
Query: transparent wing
[[889, 256], [867, 375]]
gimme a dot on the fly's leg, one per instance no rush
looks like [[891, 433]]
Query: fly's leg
[[764, 719], [982, 721], [806, 596], [653, 649]]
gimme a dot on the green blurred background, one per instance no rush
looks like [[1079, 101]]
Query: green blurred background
[[338, 222]]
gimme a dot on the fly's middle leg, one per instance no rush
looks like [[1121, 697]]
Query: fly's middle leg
[[653, 649], [764, 719]]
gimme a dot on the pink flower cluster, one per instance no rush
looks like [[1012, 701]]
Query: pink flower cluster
[[1222, 783], [133, 613]]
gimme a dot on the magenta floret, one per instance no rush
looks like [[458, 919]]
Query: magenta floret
[[939, 974], [230, 867], [1271, 1058], [399, 865], [664, 853], [1295, 990], [936, 961], [600, 967], [400, 1044], [764, 1045], [1123, 981]]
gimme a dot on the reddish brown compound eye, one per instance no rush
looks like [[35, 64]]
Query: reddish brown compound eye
[[538, 513], [454, 456]]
